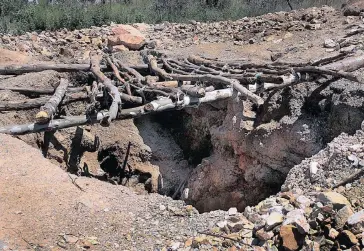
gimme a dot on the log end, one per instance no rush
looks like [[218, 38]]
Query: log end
[[42, 117]]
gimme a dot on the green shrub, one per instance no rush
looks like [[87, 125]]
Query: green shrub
[[18, 16]]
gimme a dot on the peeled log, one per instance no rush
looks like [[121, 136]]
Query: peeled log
[[21, 69], [49, 109], [38, 102], [348, 64], [113, 90], [37, 91], [153, 107]]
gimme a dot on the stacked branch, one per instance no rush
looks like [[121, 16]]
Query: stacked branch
[[163, 84]]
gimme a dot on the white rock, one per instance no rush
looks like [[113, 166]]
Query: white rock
[[162, 207], [313, 167], [185, 193], [233, 211], [329, 43], [221, 224], [273, 220], [296, 217], [175, 245], [303, 201]]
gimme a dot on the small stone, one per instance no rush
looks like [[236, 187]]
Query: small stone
[[252, 41], [119, 48], [175, 245], [348, 238], [357, 221], [356, 148], [188, 243], [333, 233], [70, 239], [288, 35], [356, 218], [234, 219], [303, 201], [162, 207], [263, 206], [342, 216], [296, 217], [329, 43], [263, 235], [233, 211], [336, 199], [235, 227], [313, 168], [273, 220], [221, 224], [276, 56], [292, 238], [353, 159]]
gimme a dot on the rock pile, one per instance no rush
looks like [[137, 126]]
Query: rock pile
[[244, 31], [75, 44], [318, 221]]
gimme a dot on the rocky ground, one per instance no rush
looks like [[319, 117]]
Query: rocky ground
[[276, 171]]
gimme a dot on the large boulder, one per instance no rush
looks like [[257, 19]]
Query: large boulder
[[128, 36]]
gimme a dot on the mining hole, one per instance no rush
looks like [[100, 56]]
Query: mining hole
[[168, 137]]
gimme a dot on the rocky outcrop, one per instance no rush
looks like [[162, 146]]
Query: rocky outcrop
[[254, 150]]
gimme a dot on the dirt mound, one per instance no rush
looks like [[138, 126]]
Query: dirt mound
[[13, 57], [44, 208]]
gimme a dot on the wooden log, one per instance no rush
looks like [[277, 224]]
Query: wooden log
[[113, 90], [49, 109], [37, 91], [207, 62], [205, 78], [324, 71], [130, 70], [131, 99], [327, 60], [156, 70], [117, 75], [172, 83], [220, 79], [21, 69], [153, 107], [347, 65], [38, 102]]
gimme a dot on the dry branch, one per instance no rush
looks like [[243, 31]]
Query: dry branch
[[153, 64], [113, 90], [117, 75], [49, 109]]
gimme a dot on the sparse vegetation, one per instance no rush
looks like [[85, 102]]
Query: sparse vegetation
[[20, 15]]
